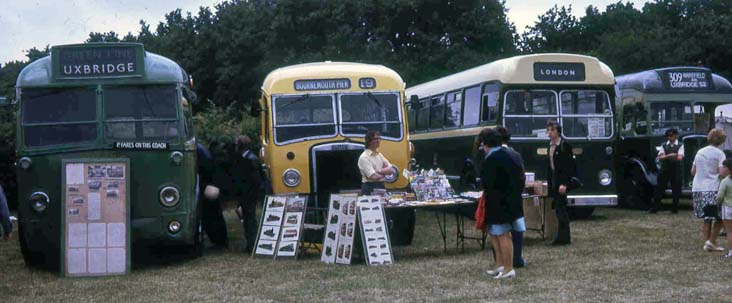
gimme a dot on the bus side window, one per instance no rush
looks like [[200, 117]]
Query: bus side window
[[454, 103], [471, 113], [437, 112], [188, 116], [490, 103], [411, 118], [265, 115], [423, 115]]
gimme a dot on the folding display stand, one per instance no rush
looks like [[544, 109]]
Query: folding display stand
[[281, 227], [349, 215]]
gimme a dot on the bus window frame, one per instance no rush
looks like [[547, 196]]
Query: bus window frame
[[610, 115], [340, 123], [650, 121], [485, 92], [411, 112], [274, 119], [423, 104], [478, 121], [503, 112], [266, 118], [96, 88], [178, 114], [456, 93], [443, 99]]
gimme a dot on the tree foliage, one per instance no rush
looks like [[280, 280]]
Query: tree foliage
[[661, 33]]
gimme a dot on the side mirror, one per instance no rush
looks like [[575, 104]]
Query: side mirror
[[4, 101], [190, 95], [255, 109]]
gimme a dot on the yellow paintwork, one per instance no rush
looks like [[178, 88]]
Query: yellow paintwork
[[281, 81]]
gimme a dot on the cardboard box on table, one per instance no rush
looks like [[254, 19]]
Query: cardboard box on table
[[538, 211]]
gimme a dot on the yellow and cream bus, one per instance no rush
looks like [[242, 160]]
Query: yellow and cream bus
[[314, 119], [522, 93]]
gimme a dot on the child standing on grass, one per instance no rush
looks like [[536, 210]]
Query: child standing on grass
[[724, 198]]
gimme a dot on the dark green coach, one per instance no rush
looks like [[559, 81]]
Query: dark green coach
[[106, 101]]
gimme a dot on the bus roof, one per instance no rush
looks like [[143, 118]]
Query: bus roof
[[655, 80], [282, 79], [158, 69], [518, 70]]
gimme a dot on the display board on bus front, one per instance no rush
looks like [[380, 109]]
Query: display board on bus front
[[94, 61]]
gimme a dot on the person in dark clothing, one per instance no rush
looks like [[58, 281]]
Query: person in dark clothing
[[248, 187], [560, 170], [212, 218], [5, 217], [502, 192], [670, 154], [517, 233]]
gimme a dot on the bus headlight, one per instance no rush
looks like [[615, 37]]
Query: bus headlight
[[393, 177], [169, 196], [174, 226], [291, 177], [605, 177], [25, 163], [609, 150], [39, 201], [176, 157]]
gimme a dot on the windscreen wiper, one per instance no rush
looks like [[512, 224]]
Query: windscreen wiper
[[373, 98], [298, 100]]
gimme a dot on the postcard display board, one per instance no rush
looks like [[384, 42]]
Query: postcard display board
[[282, 222], [431, 186], [345, 214], [95, 218]]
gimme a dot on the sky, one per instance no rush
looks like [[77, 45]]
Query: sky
[[25, 24]]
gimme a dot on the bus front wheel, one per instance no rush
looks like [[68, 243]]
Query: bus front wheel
[[30, 258]]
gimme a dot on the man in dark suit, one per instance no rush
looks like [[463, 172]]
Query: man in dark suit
[[560, 170], [502, 192], [248, 187], [212, 218]]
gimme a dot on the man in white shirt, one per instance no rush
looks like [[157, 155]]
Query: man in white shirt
[[670, 154], [373, 165]]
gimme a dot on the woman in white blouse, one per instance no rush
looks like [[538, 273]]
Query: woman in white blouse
[[707, 171]]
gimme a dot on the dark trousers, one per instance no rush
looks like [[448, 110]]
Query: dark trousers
[[249, 224], [368, 187], [518, 243], [213, 223], [664, 177], [560, 207]]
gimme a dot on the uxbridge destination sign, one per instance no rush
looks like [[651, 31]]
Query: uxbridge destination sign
[[101, 61], [687, 79], [322, 84], [546, 71]]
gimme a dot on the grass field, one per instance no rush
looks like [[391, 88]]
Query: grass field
[[616, 256]]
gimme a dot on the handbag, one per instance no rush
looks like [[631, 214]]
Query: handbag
[[480, 214]]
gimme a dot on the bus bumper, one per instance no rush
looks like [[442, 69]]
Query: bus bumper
[[592, 200]]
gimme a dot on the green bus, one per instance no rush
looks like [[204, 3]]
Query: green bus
[[522, 93], [106, 101], [651, 102]]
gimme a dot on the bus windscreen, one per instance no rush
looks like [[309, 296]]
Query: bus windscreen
[[367, 111], [58, 116], [303, 117], [586, 114], [141, 112]]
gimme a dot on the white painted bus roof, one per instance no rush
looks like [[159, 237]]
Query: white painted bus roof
[[516, 70]]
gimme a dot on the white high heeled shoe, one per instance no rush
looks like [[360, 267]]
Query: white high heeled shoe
[[510, 274], [494, 272]]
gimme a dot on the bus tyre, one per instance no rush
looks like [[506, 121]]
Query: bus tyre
[[635, 192], [580, 213], [30, 258]]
